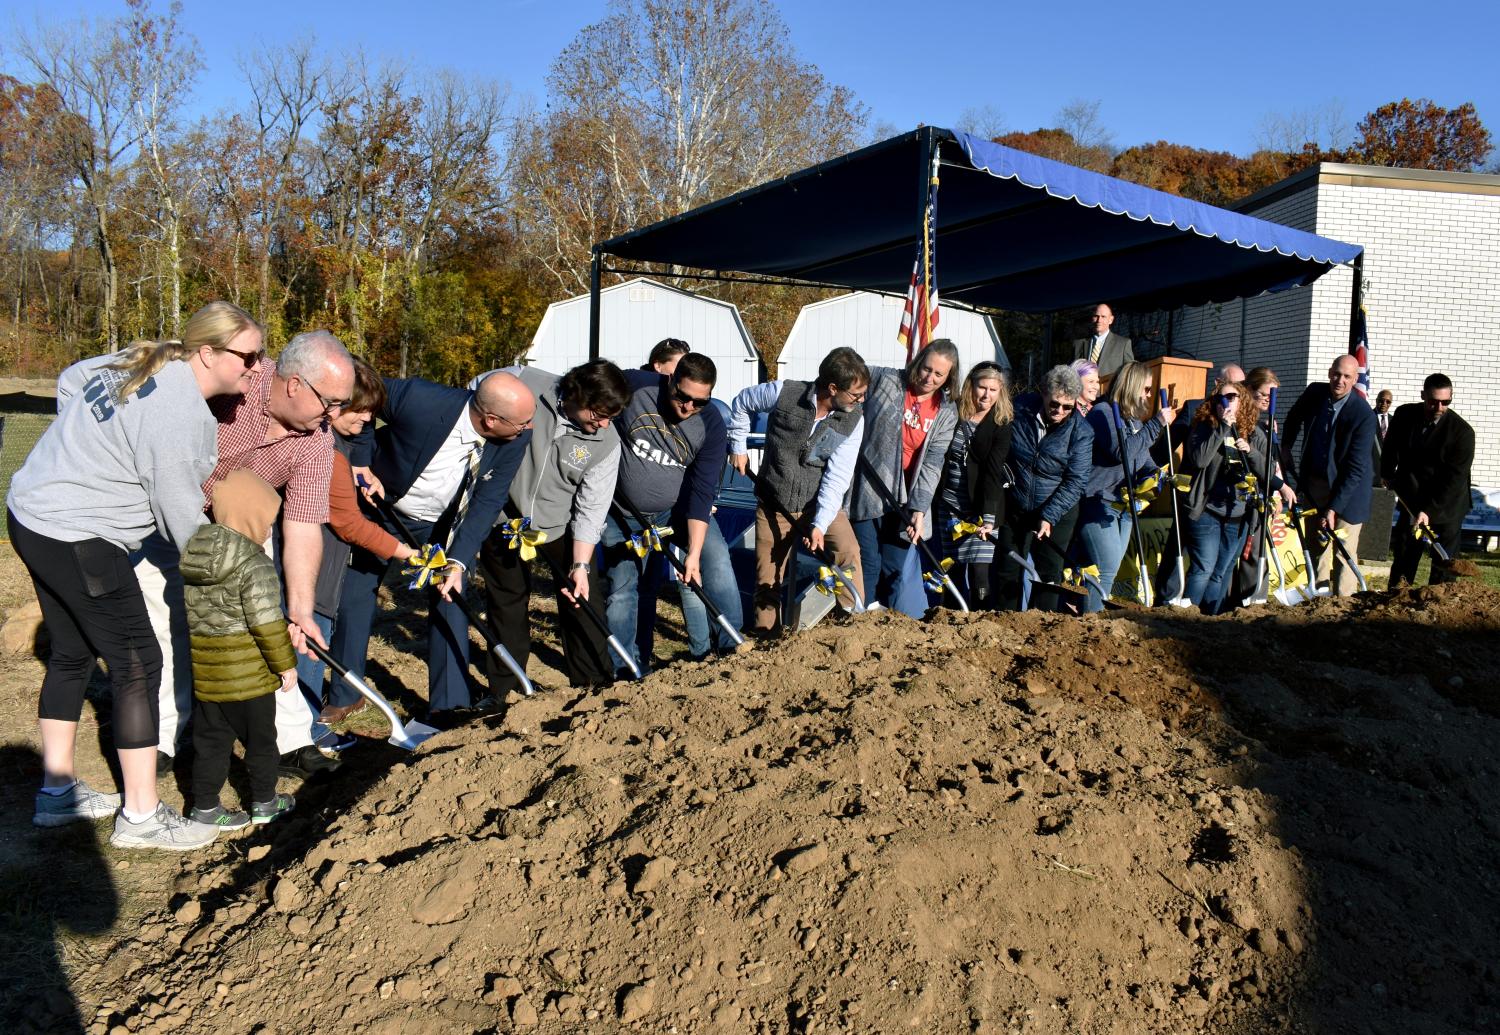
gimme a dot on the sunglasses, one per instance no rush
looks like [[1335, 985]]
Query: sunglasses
[[689, 400], [1440, 402], [1227, 398], [1059, 407], [248, 358]]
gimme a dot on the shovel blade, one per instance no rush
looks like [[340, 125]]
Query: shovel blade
[[412, 736]]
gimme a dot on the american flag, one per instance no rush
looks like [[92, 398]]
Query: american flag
[[920, 316], [1359, 348]]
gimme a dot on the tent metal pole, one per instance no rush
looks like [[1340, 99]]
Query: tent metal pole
[[594, 270], [1356, 297]]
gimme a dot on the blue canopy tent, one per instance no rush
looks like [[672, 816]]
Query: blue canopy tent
[[1014, 231]]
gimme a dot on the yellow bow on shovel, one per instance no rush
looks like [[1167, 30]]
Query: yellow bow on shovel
[[648, 539], [425, 566], [519, 535], [830, 579], [959, 528], [937, 580]]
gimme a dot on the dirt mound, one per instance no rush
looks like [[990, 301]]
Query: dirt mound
[[1139, 822]]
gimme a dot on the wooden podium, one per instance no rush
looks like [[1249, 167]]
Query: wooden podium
[[1184, 379]]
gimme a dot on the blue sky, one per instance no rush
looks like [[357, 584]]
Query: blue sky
[[1165, 70]]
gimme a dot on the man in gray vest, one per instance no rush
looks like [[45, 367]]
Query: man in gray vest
[[812, 442], [558, 502]]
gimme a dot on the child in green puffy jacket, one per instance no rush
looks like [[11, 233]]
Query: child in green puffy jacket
[[241, 652]]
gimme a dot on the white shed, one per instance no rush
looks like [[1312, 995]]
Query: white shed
[[868, 323], [637, 314]]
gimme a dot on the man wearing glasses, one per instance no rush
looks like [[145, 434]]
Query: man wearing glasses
[[444, 457], [1337, 469], [1427, 459], [674, 451], [279, 429], [562, 492]]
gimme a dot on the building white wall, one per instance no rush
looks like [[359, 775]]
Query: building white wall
[[1432, 289], [637, 314], [868, 323]]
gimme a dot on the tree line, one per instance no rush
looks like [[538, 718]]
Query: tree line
[[427, 218]]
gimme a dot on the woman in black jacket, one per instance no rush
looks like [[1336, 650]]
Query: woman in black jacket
[[1226, 458], [971, 491]]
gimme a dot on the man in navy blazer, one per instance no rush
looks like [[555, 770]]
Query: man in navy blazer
[[1336, 470], [440, 451]]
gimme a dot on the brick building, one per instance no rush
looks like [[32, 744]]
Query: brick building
[[1432, 288]]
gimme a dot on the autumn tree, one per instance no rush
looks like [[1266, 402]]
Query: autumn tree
[[34, 201], [662, 106], [1422, 135]]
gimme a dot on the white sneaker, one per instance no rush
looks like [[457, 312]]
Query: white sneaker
[[166, 829], [81, 803]]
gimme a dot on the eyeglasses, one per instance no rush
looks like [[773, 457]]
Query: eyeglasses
[[248, 358], [328, 405], [1058, 407], [1227, 398], [1441, 402], [689, 400], [518, 425]]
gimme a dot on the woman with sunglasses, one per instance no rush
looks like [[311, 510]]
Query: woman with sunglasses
[[1225, 457], [126, 458], [1051, 457], [972, 489], [1259, 383]]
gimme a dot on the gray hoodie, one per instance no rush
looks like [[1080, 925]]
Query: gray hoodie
[[119, 470]]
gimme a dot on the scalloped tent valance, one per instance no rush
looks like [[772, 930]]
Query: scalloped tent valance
[[1014, 231]]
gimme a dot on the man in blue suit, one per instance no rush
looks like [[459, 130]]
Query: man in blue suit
[[1336, 470], [445, 458]]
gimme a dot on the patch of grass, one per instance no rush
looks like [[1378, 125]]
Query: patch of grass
[[1487, 563]]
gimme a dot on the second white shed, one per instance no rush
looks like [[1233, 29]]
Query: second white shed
[[633, 317], [868, 323]]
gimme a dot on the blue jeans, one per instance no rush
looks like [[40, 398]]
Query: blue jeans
[[1105, 534], [1213, 545], [623, 572], [882, 552], [722, 588]]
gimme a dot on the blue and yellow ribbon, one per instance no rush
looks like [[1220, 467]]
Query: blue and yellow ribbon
[[830, 579], [937, 580], [958, 528], [648, 539], [426, 566], [519, 535]]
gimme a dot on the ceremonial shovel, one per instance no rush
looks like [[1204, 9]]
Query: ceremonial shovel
[[409, 736]]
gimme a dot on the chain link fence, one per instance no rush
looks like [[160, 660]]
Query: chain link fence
[[18, 433]]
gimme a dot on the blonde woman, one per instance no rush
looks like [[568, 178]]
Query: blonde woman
[[126, 458], [972, 489], [1105, 527]]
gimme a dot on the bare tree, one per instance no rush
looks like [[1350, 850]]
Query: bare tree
[[287, 85], [88, 67], [664, 105], [162, 63], [982, 120], [1326, 126]]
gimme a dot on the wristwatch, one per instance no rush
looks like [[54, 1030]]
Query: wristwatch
[[582, 566]]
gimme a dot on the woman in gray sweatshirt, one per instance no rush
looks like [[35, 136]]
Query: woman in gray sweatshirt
[[127, 455]]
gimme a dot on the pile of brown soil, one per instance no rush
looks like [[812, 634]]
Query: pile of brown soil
[[1141, 822]]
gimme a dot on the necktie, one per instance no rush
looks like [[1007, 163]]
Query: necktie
[[466, 493], [1094, 352]]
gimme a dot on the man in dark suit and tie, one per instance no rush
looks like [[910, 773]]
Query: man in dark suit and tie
[[445, 458], [1336, 470], [1383, 414], [1105, 349], [1429, 453]]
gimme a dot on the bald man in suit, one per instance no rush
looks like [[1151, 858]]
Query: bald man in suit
[[1104, 348]]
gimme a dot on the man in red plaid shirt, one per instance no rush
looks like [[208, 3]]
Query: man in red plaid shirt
[[279, 429]]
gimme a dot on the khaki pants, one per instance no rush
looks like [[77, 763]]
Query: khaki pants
[[776, 537], [1331, 566]]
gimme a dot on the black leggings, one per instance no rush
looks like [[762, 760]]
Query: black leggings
[[93, 608]]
